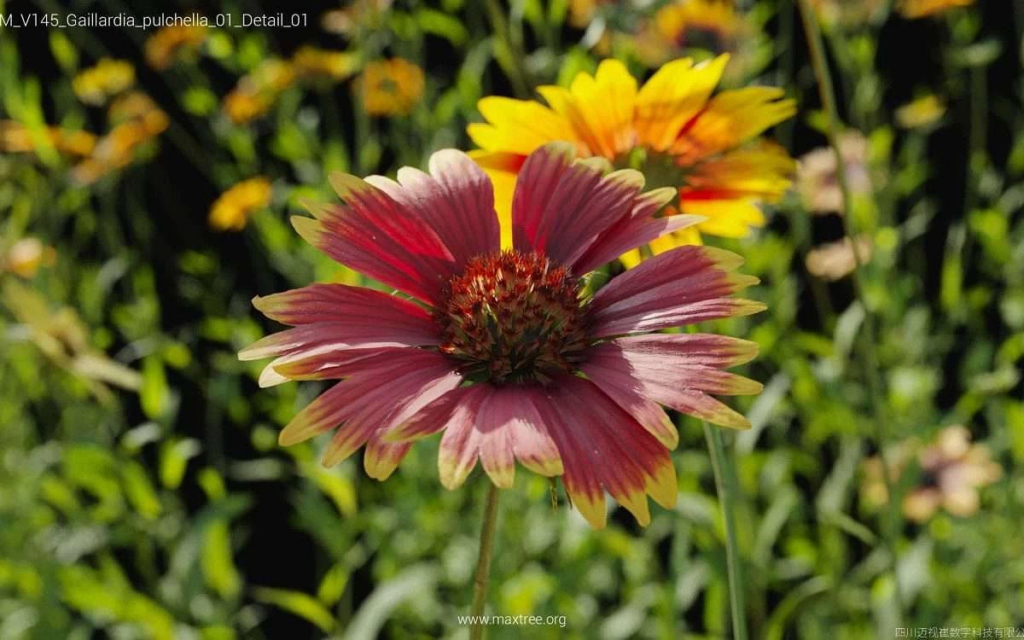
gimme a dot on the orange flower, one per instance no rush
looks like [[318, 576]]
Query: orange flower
[[671, 128], [17, 138], [232, 209], [165, 46], [390, 87], [257, 91], [136, 120]]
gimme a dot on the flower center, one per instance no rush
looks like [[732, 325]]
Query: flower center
[[513, 317]]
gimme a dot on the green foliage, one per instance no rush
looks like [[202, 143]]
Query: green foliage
[[142, 490]]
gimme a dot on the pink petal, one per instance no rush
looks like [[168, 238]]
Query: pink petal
[[380, 459], [618, 383], [373, 234], [602, 446], [677, 371], [460, 444], [376, 389], [542, 171], [679, 287], [342, 303], [635, 230], [496, 425], [564, 206], [456, 201]]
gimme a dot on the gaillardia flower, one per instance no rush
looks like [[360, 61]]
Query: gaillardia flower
[[672, 129], [390, 87], [501, 349]]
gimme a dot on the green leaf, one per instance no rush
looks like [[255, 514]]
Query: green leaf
[[302, 605], [216, 561]]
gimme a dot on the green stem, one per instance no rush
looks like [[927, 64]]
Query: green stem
[[483, 563], [828, 101], [512, 57], [725, 483]]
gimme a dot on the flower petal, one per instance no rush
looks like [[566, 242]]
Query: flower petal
[[542, 171], [380, 459], [342, 303], [602, 446], [599, 108], [517, 126], [676, 370], [562, 206], [496, 425], [377, 388], [730, 119], [672, 97], [373, 234], [456, 200], [679, 287], [635, 230]]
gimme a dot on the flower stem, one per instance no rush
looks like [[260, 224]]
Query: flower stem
[[725, 484], [483, 563], [828, 101]]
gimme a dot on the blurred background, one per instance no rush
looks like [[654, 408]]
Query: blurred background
[[146, 179]]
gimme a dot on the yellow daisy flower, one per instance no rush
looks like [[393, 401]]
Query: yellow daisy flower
[[312, 62], [671, 128], [390, 87], [165, 46], [914, 9], [232, 209], [108, 78]]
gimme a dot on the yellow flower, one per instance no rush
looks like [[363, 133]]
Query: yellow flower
[[165, 46], [951, 472], [26, 256], [257, 91], [922, 112], [390, 87], [835, 260], [232, 209], [311, 62], [923, 8], [108, 78], [17, 138], [671, 128]]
